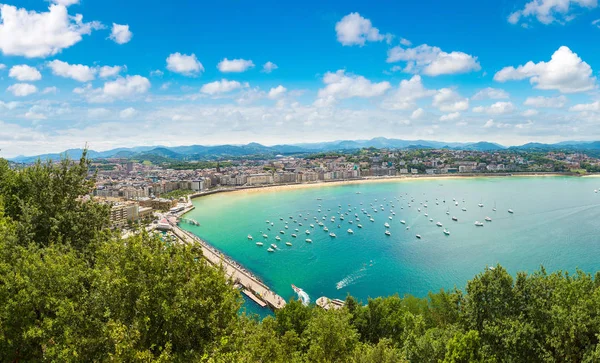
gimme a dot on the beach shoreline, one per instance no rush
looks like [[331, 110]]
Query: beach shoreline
[[380, 179]]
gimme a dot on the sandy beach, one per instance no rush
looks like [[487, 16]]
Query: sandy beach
[[390, 179]]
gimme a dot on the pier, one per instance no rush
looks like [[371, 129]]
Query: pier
[[252, 287]]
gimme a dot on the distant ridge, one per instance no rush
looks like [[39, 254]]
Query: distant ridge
[[201, 152]]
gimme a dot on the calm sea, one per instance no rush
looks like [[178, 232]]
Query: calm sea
[[556, 223]]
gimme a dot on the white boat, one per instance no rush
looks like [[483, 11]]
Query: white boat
[[419, 236], [372, 220], [249, 237], [446, 232], [479, 224], [386, 225], [308, 240], [488, 219], [282, 232], [359, 225], [464, 209], [426, 215], [273, 245], [403, 221], [307, 231], [288, 243], [270, 250], [510, 211], [278, 238], [272, 223], [418, 209], [294, 235], [455, 219], [390, 218], [407, 228], [350, 231], [332, 235], [480, 205], [387, 233], [265, 236], [439, 224], [259, 244], [312, 226], [286, 227], [326, 229], [430, 219]]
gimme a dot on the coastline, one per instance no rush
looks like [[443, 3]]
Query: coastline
[[376, 179]]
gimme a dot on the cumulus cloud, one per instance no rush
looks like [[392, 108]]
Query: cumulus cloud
[[353, 29], [582, 107], [269, 67], [340, 85], [417, 114], [565, 72], [187, 65], [65, 2], [450, 117], [406, 95], [497, 108], [277, 92], [550, 11], [22, 89], [25, 73], [546, 102], [491, 123], [235, 65], [107, 71], [120, 34], [432, 61], [448, 100], [128, 113], [126, 86], [490, 93], [78, 72], [530, 112], [222, 86], [32, 34]]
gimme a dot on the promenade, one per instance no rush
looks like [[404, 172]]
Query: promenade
[[255, 289]]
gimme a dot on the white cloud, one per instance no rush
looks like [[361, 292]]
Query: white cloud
[[448, 100], [546, 102], [49, 90], [530, 112], [550, 11], [450, 117], [78, 72], [432, 61], [157, 73], [126, 87], [95, 113], [417, 114], [234, 65], [269, 67], [407, 94], [222, 86], [128, 113], [184, 64], [120, 34], [405, 42], [106, 71], [525, 125], [565, 72], [32, 34], [24, 73], [277, 92], [353, 29], [22, 89], [497, 108], [596, 23], [340, 85], [490, 93], [2, 66], [66, 2], [32, 115], [582, 107]]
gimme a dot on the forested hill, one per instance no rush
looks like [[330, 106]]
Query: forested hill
[[71, 290]]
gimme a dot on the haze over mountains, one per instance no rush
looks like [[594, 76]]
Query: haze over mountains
[[200, 152]]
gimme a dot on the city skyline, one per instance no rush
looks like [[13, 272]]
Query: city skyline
[[121, 74]]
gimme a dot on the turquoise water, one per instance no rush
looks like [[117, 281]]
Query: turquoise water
[[556, 223]]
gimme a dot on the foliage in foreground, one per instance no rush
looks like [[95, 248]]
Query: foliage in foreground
[[70, 291]]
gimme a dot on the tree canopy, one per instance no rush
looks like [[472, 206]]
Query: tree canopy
[[72, 291]]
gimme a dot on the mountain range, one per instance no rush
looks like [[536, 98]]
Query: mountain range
[[201, 152]]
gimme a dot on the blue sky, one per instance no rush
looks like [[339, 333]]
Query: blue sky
[[127, 73]]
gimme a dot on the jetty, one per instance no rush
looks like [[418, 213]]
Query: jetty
[[256, 290], [327, 303]]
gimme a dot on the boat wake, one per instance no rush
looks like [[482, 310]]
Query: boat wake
[[302, 295], [351, 279]]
